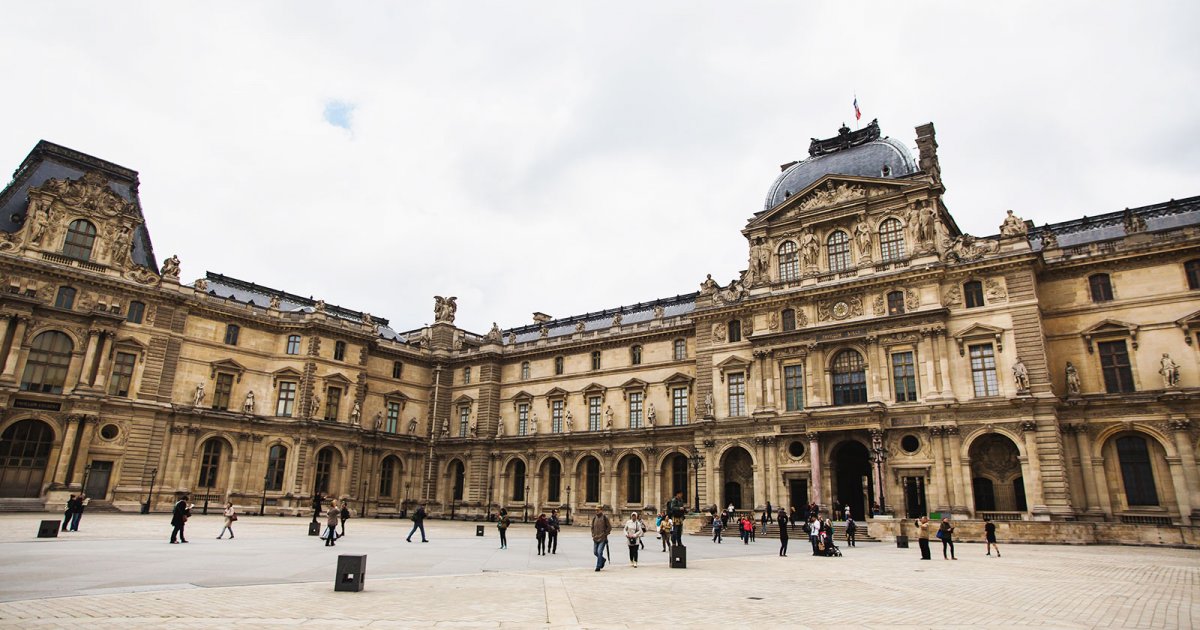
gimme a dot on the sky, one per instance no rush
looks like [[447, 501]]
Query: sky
[[567, 157]]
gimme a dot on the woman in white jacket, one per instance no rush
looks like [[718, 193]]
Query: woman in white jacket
[[633, 536]]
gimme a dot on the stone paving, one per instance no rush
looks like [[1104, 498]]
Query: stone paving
[[118, 571]]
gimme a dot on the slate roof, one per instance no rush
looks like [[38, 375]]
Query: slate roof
[[602, 320], [865, 160], [1158, 217]]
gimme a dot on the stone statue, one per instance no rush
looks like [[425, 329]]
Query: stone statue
[[1020, 376], [198, 396], [120, 248], [319, 306], [719, 331], [512, 338], [533, 424], [926, 224], [275, 301], [314, 407], [378, 422], [1169, 370], [355, 413], [809, 250], [1013, 226], [1073, 386], [445, 428], [248, 404], [39, 221], [608, 417], [617, 319], [651, 415], [659, 310], [170, 267], [1049, 239], [862, 234], [569, 421], [444, 309], [580, 326], [494, 334], [412, 425], [200, 285], [500, 429], [760, 263], [367, 319], [708, 404], [543, 333], [473, 430], [709, 285]]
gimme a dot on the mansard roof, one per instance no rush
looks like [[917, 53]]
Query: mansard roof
[[1157, 217], [602, 320]]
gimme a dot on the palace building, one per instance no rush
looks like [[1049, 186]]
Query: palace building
[[871, 354]]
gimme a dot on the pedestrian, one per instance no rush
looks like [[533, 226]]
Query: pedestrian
[[923, 537], [502, 524], [717, 525], [179, 517], [68, 511], [813, 527], [676, 509], [783, 532], [989, 536], [316, 505], [77, 512], [746, 528], [658, 524], [601, 528], [851, 528], [344, 515], [552, 527], [946, 535], [770, 514], [753, 529], [418, 518], [633, 535], [792, 516], [730, 510], [540, 526], [230, 517], [846, 515], [766, 518], [642, 524], [331, 524], [664, 532], [827, 547]]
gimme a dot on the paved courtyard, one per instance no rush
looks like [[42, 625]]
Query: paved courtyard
[[119, 571]]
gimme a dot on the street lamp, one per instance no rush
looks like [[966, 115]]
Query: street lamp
[[568, 505], [364, 500], [525, 508], [87, 472], [697, 460], [879, 455], [150, 497], [404, 504]]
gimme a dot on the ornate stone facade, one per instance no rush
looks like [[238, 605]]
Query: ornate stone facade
[[871, 354]]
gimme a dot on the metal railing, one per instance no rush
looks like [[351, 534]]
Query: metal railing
[[1002, 516]]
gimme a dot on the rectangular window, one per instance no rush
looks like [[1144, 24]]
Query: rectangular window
[[466, 376], [735, 331], [635, 410], [904, 376], [983, 370], [293, 344], [122, 374], [973, 293], [793, 387], [333, 400], [287, 399], [594, 413], [223, 391], [737, 394], [558, 366], [397, 369], [1114, 361], [231, 334], [556, 416], [596, 360], [464, 420], [522, 418], [137, 310], [393, 418], [339, 351], [679, 406], [680, 349]]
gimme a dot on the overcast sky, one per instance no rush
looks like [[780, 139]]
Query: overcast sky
[[572, 156]]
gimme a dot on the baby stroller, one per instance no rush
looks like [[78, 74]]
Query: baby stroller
[[831, 550]]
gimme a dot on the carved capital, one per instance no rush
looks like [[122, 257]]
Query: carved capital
[[813, 436], [1028, 425], [1180, 424]]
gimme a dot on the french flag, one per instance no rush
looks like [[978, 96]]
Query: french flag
[[857, 114]]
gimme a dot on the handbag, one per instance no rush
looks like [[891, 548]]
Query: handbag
[[233, 517], [941, 534]]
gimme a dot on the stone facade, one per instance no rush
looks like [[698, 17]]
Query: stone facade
[[871, 354]]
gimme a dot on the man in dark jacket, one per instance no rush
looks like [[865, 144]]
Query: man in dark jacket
[[179, 516], [783, 533], [677, 509], [77, 512], [418, 523], [552, 527], [68, 512], [343, 515]]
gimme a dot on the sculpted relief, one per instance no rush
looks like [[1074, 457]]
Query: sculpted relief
[[58, 203]]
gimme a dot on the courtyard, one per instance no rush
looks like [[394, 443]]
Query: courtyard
[[119, 571]]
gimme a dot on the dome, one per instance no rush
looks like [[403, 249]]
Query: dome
[[862, 153]]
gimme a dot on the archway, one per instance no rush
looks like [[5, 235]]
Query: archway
[[325, 479], [391, 470], [552, 481], [852, 477], [1139, 476], [213, 475], [589, 470], [996, 478], [737, 471], [24, 454], [458, 481], [632, 476], [675, 478]]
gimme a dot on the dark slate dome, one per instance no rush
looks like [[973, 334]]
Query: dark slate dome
[[862, 152]]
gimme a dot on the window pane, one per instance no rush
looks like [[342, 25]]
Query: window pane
[[1114, 361], [122, 374], [680, 349], [838, 248], [231, 334], [1136, 471], [293, 344], [1101, 287], [895, 303], [333, 400], [789, 262], [983, 370], [81, 235], [287, 398], [891, 240], [904, 377], [793, 387], [594, 413], [735, 331], [849, 379], [1192, 269], [223, 391], [635, 410], [47, 362], [737, 394], [393, 417], [137, 311], [973, 293], [65, 298], [522, 418], [679, 406], [556, 416]]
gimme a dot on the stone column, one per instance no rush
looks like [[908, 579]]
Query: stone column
[[939, 469], [85, 443], [876, 468], [885, 373], [960, 505], [931, 387], [1190, 477], [1033, 481], [1083, 443], [814, 457], [95, 337], [14, 350], [947, 385], [815, 378], [67, 453], [108, 349], [186, 457]]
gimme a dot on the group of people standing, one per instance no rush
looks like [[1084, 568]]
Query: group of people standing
[[547, 532], [73, 512]]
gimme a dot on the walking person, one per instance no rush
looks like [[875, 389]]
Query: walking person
[[344, 515], [552, 527], [539, 526], [331, 524], [77, 512], [601, 528], [633, 535], [847, 513], [642, 524], [923, 537], [179, 517], [502, 524], [418, 518], [753, 530], [230, 517], [851, 528], [989, 536], [717, 525], [664, 532], [68, 512], [792, 517], [783, 533], [946, 535]]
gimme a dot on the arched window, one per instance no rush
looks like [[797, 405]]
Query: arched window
[[849, 378], [24, 453], [554, 489], [789, 262], [735, 331], [635, 355], [293, 344], [633, 480], [460, 480], [276, 465], [324, 470], [137, 311], [518, 481], [891, 239], [591, 473], [387, 476], [81, 236], [231, 334], [1100, 286], [789, 319], [1192, 269], [524, 370], [210, 463], [65, 298], [895, 303], [838, 249], [1136, 470], [46, 367]]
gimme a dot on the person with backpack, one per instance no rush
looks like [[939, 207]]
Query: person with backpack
[[502, 524], [676, 509], [717, 525], [331, 524], [851, 528], [946, 535], [664, 532], [77, 511], [418, 518]]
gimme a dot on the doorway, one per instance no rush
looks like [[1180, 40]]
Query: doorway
[[852, 477], [914, 497], [733, 494], [97, 480], [798, 493]]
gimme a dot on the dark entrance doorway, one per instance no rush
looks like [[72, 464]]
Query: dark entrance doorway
[[97, 480], [733, 494], [914, 497], [852, 477], [738, 470], [24, 453], [798, 493]]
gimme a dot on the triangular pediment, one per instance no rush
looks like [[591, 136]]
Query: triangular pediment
[[634, 383], [594, 388], [831, 191], [733, 362], [557, 392], [227, 365], [1110, 326], [522, 395], [396, 394], [1189, 320], [337, 377], [131, 342], [978, 330], [678, 378], [464, 399]]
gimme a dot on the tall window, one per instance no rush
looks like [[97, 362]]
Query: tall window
[[635, 355], [46, 366], [558, 366], [276, 465], [895, 303], [518, 481], [838, 248], [339, 351], [595, 359], [231, 334], [210, 463], [635, 410], [680, 349], [137, 310], [891, 240], [223, 391], [849, 378], [387, 476], [81, 235], [393, 418], [789, 262], [397, 369], [633, 480], [287, 399], [1101, 287], [293, 344], [333, 400], [554, 489], [1114, 361], [556, 416], [466, 376], [1136, 471], [122, 374], [1192, 269], [464, 420], [324, 470], [523, 418], [524, 370], [793, 387], [591, 473], [65, 298], [679, 475], [904, 376], [735, 331], [973, 293], [460, 480], [679, 406], [737, 394], [594, 413], [789, 319], [983, 370]]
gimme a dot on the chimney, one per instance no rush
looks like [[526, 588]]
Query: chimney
[[927, 146]]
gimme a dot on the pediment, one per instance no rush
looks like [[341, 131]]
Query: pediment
[[131, 342], [464, 399], [678, 378], [557, 392], [285, 374], [227, 365], [831, 191], [396, 394], [522, 395], [337, 377], [977, 332], [1189, 320], [733, 363], [1110, 326], [595, 388], [634, 383]]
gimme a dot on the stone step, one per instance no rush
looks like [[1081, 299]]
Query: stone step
[[22, 505]]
